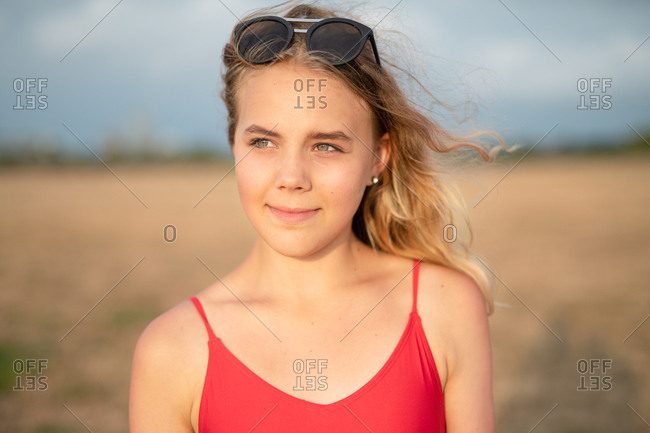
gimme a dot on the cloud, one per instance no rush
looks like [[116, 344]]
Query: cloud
[[162, 58]]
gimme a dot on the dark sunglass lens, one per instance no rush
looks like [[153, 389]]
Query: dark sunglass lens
[[337, 42], [260, 42]]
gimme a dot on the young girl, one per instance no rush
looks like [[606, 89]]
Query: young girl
[[353, 312]]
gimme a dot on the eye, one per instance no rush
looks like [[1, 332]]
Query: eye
[[326, 148], [261, 143]]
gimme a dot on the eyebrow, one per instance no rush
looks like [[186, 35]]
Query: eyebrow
[[255, 129], [331, 135]]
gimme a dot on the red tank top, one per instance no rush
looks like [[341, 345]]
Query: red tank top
[[404, 396]]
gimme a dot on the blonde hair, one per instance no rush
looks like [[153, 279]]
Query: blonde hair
[[408, 211]]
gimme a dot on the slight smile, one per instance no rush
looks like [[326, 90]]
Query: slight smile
[[292, 215]]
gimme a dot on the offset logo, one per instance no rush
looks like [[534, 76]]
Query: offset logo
[[593, 93], [593, 375], [29, 93], [309, 93], [29, 374], [309, 374]]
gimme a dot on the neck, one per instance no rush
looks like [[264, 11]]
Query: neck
[[301, 281]]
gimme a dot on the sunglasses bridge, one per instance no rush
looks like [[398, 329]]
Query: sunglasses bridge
[[303, 20], [364, 31]]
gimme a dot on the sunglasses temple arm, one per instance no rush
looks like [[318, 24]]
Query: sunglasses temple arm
[[374, 48]]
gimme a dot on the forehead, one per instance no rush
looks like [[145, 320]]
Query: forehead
[[294, 95]]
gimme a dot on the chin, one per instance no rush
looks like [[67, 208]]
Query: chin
[[301, 245], [297, 247]]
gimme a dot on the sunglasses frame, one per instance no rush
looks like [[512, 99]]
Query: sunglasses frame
[[366, 33]]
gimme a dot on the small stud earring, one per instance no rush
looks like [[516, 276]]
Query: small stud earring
[[375, 179]]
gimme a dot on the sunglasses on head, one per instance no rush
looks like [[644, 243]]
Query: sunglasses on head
[[338, 40]]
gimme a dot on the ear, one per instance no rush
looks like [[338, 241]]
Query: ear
[[382, 154]]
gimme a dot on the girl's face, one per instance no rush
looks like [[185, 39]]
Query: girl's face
[[304, 154]]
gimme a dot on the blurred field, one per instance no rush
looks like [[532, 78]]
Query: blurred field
[[568, 237]]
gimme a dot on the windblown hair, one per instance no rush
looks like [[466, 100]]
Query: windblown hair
[[412, 211]]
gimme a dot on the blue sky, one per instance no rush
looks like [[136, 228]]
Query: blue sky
[[137, 69]]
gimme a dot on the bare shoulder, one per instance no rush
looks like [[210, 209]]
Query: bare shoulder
[[454, 316], [173, 333], [169, 360], [176, 338], [459, 294]]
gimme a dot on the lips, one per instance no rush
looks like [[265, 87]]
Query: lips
[[292, 215]]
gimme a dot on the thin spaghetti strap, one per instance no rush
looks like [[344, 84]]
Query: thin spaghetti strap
[[199, 308], [416, 271]]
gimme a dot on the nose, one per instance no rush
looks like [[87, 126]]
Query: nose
[[293, 171]]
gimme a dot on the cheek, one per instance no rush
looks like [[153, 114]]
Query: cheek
[[343, 188], [250, 182]]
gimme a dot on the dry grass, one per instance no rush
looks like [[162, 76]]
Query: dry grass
[[569, 237]]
